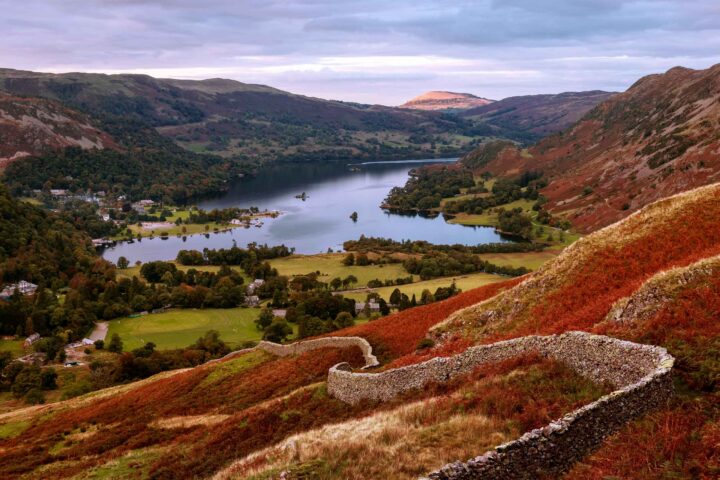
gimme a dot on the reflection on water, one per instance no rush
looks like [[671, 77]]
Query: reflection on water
[[320, 222]]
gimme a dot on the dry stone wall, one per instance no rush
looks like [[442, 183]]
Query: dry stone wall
[[641, 374], [309, 345]]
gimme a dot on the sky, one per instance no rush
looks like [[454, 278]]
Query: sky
[[368, 51]]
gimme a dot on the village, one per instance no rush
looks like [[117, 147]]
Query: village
[[147, 218]]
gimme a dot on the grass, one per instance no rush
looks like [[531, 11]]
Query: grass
[[175, 230], [489, 217], [236, 366], [12, 429], [531, 260], [464, 282], [180, 328], [330, 266], [135, 464], [13, 346]]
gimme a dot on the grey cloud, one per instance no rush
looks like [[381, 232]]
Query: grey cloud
[[490, 47]]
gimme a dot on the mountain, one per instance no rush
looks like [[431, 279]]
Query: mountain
[[245, 121], [650, 279], [531, 117], [658, 138], [445, 101], [33, 126]]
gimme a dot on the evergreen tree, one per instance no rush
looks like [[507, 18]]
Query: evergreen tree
[[116, 344]]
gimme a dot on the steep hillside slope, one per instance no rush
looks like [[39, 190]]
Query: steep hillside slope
[[659, 138], [615, 282], [252, 401], [32, 126], [531, 117], [256, 416], [445, 101], [231, 118]]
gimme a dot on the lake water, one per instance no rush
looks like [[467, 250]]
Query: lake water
[[322, 220]]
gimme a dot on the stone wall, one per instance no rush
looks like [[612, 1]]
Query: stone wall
[[641, 374], [298, 348]]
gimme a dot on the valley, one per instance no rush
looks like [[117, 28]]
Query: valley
[[216, 279]]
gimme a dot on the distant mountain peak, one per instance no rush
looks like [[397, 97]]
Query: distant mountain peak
[[442, 100]]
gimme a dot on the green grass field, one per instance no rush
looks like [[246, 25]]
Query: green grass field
[[174, 230], [180, 328], [464, 282], [489, 218], [13, 346], [531, 260], [330, 266]]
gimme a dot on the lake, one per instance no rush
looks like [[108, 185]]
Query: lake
[[320, 222]]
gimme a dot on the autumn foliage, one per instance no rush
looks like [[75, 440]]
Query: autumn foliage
[[399, 334]]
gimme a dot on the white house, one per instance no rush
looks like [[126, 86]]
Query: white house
[[257, 283], [372, 306], [25, 288]]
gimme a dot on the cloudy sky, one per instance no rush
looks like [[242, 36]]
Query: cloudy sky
[[369, 50]]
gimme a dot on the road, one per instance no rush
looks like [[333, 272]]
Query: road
[[99, 332]]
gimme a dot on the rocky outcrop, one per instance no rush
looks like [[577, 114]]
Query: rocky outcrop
[[641, 374]]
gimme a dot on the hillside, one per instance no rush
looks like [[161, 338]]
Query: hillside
[[651, 278], [445, 101], [32, 126], [233, 119], [255, 415], [529, 118], [658, 138]]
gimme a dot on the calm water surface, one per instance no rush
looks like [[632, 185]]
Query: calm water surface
[[322, 220]]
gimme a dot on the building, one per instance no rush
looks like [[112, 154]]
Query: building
[[142, 205], [31, 339], [252, 300], [252, 288], [25, 288], [373, 307], [278, 312]]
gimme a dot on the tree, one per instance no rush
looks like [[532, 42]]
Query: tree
[[144, 351], [99, 344], [336, 283], [349, 280], [349, 260], [344, 320], [48, 379], [35, 397], [122, 263], [211, 343], [265, 319], [426, 297], [277, 331], [50, 346], [395, 297], [116, 344], [362, 260], [278, 299], [27, 379], [384, 309]]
